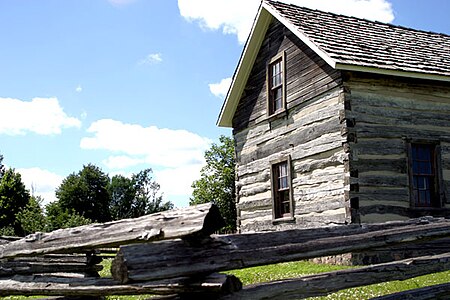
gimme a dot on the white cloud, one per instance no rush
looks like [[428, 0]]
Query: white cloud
[[137, 144], [41, 182], [178, 181], [42, 116], [231, 16], [220, 89], [176, 156], [236, 16], [78, 89], [151, 59]]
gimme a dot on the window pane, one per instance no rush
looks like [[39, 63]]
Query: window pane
[[283, 169], [423, 175], [278, 99], [276, 80], [425, 167], [421, 182], [283, 183], [281, 196]]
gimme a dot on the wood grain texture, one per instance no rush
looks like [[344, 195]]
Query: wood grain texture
[[214, 284], [181, 258], [194, 220], [438, 291], [330, 282]]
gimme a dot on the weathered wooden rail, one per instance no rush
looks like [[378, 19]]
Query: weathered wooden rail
[[174, 253]]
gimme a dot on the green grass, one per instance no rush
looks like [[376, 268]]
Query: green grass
[[296, 269]]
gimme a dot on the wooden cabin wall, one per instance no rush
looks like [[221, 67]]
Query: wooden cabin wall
[[310, 132], [385, 112]]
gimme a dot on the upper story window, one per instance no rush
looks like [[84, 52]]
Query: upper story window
[[276, 85], [424, 175], [281, 190]]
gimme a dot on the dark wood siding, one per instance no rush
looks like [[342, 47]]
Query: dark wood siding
[[387, 113], [307, 76], [310, 131]]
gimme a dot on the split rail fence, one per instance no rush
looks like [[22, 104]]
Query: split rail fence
[[175, 254]]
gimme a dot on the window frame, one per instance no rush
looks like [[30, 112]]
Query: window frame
[[276, 215], [269, 89], [436, 196]]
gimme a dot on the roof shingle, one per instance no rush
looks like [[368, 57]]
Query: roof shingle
[[353, 41]]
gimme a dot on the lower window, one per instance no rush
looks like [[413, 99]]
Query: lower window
[[281, 189], [424, 175]]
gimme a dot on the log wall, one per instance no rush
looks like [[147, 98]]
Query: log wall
[[310, 132], [385, 113]]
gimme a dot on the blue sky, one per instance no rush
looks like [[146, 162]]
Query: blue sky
[[134, 84]]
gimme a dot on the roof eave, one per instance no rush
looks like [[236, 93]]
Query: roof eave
[[400, 73], [304, 38]]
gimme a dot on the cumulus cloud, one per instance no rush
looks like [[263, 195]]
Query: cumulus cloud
[[236, 16], [42, 116], [136, 144], [151, 59], [176, 156], [78, 89], [178, 181], [41, 182], [231, 16], [220, 89]]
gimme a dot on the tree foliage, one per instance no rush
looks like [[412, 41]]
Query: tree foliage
[[86, 193], [58, 217], [84, 197], [122, 193], [217, 181], [2, 167], [32, 218], [136, 196], [13, 198]]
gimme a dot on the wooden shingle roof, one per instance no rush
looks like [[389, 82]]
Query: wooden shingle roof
[[345, 43], [354, 41]]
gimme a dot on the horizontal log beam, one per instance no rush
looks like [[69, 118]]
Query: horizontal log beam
[[438, 291], [144, 262], [214, 284], [194, 220], [330, 282]]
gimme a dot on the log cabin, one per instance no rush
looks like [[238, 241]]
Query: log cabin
[[338, 120]]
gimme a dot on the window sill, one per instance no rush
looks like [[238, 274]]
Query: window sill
[[283, 220], [277, 115]]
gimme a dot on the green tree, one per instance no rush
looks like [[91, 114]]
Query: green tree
[[148, 196], [216, 183], [122, 193], [86, 193], [13, 197], [2, 167], [136, 196], [31, 218], [58, 217]]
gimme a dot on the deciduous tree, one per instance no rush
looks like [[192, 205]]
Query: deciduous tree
[[13, 197], [86, 193], [216, 183], [2, 167], [58, 217], [31, 218], [136, 196]]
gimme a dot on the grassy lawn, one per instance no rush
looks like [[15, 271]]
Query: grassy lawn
[[296, 269]]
